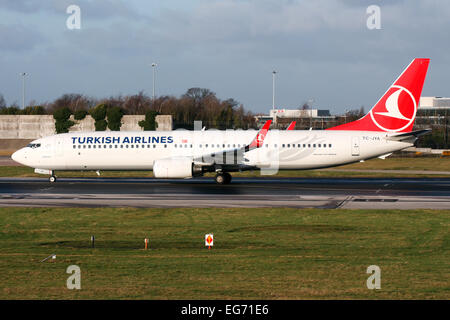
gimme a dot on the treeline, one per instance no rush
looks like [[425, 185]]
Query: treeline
[[196, 104]]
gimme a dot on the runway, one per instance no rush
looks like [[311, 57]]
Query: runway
[[352, 193]]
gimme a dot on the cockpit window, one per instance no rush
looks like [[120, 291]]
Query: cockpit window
[[34, 145]]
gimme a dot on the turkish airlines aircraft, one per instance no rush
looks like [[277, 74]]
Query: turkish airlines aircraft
[[186, 154]]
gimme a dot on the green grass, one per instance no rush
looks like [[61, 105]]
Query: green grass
[[258, 253], [418, 163]]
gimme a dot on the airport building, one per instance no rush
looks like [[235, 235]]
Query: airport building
[[282, 117], [434, 103]]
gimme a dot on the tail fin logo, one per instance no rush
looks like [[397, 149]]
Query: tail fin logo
[[395, 111]]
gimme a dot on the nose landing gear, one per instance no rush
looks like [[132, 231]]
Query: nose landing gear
[[52, 177], [223, 178]]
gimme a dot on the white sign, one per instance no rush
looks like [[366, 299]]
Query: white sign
[[209, 240]]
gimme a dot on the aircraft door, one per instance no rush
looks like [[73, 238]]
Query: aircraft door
[[355, 146]]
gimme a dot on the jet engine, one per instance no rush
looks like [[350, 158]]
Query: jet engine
[[175, 168]]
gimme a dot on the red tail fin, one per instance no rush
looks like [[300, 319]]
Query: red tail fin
[[259, 139], [396, 110]]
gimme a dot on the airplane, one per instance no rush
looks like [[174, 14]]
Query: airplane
[[386, 128]]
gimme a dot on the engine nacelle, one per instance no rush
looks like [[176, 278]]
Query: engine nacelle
[[173, 168]]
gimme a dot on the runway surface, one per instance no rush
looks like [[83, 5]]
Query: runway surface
[[352, 193]]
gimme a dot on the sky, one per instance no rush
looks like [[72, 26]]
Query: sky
[[321, 49]]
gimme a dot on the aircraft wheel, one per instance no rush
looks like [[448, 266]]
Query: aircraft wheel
[[223, 178], [52, 179], [228, 177], [220, 178]]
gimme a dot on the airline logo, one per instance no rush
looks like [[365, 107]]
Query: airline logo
[[395, 111], [108, 140]]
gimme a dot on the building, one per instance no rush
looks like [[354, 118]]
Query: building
[[282, 117], [434, 103]]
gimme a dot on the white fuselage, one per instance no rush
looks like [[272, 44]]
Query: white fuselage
[[296, 149]]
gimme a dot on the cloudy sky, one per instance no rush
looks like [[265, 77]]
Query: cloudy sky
[[322, 49]]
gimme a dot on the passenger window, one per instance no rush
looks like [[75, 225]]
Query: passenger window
[[74, 146], [165, 146], [320, 145], [329, 145]]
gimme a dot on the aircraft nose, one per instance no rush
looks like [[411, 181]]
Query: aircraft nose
[[18, 156]]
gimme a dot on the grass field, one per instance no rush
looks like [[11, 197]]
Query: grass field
[[257, 254], [419, 163]]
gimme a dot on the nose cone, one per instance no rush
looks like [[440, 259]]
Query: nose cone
[[18, 156]]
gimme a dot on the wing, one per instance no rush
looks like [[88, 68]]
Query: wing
[[233, 159]]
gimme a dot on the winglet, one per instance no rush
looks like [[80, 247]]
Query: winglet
[[259, 139], [291, 126]]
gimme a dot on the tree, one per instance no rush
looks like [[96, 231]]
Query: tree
[[2, 102], [114, 115], [33, 110], [149, 124], [98, 114], [62, 122], [73, 101], [80, 114]]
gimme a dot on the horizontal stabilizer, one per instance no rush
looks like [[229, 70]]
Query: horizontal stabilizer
[[408, 135]]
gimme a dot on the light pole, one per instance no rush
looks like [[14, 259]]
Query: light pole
[[310, 102], [273, 89], [153, 67], [23, 74]]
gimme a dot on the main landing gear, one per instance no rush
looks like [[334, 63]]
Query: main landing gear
[[223, 178]]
